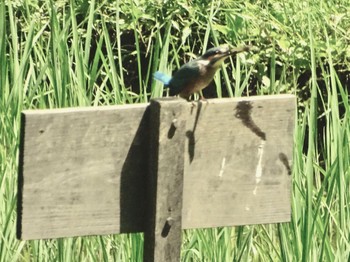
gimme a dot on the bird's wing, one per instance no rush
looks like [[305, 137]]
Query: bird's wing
[[186, 75]]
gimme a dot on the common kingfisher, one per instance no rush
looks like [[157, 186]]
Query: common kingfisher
[[198, 73]]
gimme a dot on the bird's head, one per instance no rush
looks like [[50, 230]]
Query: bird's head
[[216, 55]]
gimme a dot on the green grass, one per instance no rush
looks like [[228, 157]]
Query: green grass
[[93, 53]]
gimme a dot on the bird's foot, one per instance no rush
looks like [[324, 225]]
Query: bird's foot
[[203, 99]]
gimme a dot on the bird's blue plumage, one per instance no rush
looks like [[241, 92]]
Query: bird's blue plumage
[[165, 79], [198, 73]]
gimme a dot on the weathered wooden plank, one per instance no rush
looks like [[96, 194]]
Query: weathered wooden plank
[[238, 162], [165, 182], [83, 171]]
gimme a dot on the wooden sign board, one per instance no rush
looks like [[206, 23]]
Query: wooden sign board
[[83, 171]]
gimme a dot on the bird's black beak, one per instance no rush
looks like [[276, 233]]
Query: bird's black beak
[[223, 54], [236, 50], [227, 53]]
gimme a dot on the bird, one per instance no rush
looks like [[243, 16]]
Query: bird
[[197, 74]]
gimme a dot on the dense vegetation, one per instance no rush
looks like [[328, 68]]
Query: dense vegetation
[[91, 53]]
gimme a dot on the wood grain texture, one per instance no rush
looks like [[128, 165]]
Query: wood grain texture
[[163, 230], [83, 171], [238, 162]]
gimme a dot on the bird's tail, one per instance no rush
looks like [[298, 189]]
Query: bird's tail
[[162, 77]]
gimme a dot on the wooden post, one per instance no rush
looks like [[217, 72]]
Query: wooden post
[[165, 189]]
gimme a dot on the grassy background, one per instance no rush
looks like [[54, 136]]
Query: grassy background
[[91, 53]]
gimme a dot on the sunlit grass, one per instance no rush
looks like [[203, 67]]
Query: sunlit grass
[[67, 53]]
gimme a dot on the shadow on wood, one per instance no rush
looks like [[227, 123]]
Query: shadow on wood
[[190, 134], [133, 181]]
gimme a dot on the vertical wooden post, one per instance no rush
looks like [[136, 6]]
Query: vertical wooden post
[[167, 143]]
